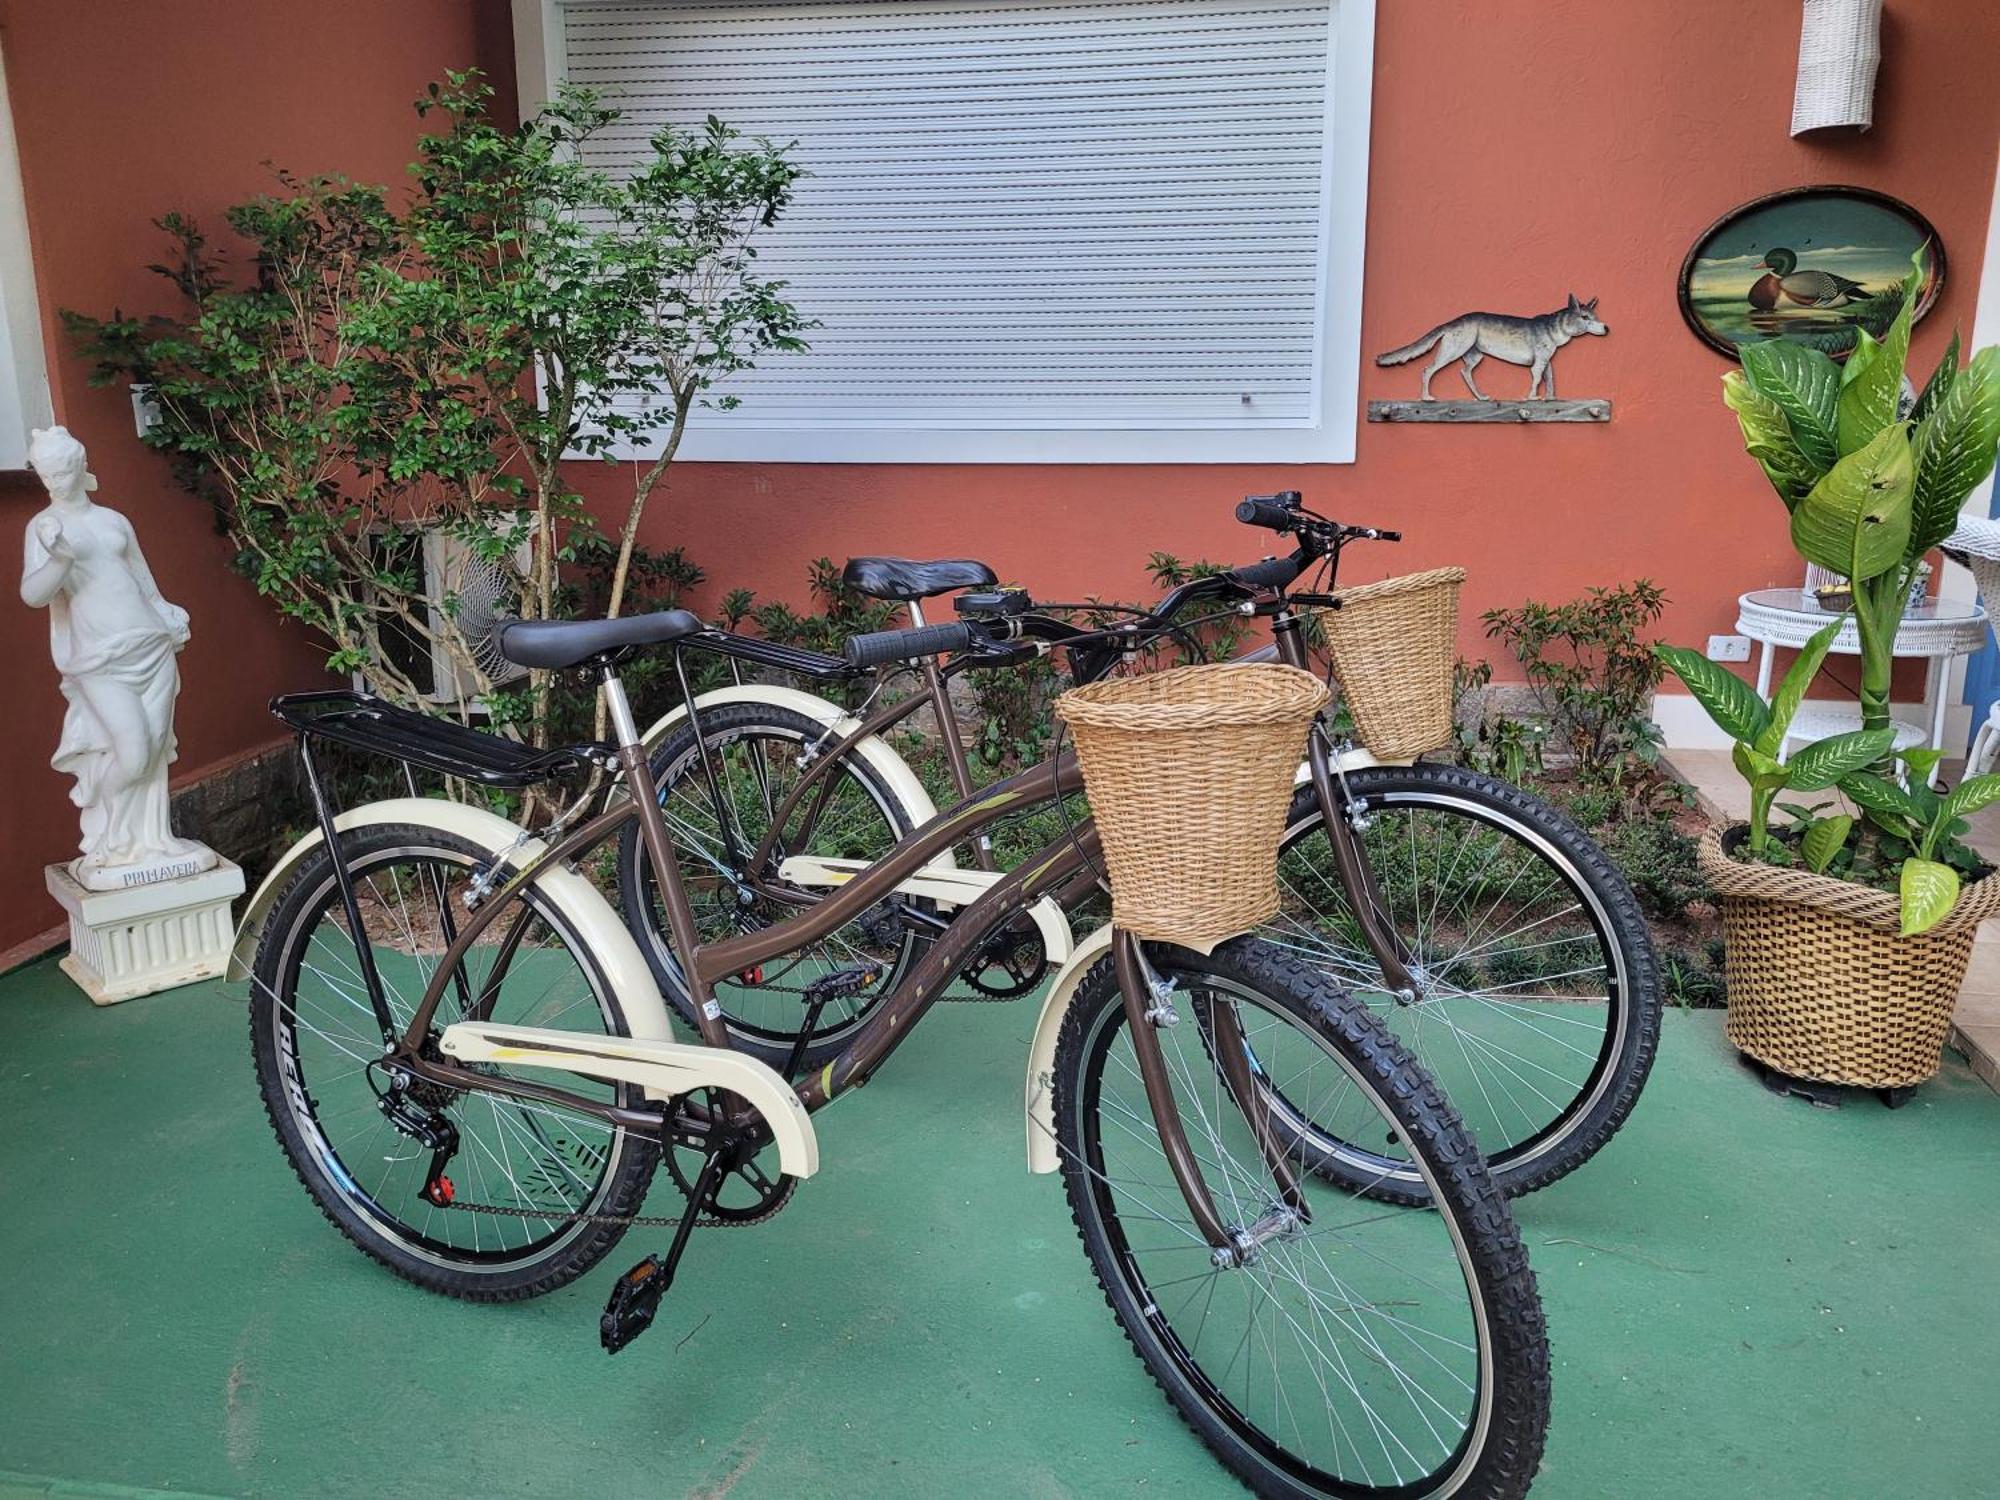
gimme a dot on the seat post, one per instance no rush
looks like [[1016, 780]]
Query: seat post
[[622, 724], [916, 613]]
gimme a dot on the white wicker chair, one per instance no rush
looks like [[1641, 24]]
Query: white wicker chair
[[1976, 543]]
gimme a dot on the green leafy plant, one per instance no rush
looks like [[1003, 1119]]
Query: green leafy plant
[[1869, 487], [373, 372], [1758, 729], [1930, 827], [1591, 666], [1907, 837], [1497, 744]]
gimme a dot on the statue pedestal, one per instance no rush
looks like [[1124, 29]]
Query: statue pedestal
[[150, 937]]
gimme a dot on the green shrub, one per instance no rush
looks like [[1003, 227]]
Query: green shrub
[[1591, 667]]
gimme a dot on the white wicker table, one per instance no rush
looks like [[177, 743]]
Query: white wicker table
[[1935, 631]]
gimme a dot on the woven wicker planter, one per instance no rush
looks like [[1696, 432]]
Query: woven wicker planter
[[1393, 644], [1189, 773], [1821, 983]]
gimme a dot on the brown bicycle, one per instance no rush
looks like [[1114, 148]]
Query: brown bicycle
[[470, 1067], [1487, 930]]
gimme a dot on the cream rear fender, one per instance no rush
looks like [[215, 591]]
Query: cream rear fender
[[589, 915], [663, 1069], [948, 888], [893, 771]]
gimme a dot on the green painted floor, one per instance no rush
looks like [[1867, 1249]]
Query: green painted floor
[[1747, 1297]]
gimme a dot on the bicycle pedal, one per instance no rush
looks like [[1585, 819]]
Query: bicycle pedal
[[635, 1298], [842, 982]]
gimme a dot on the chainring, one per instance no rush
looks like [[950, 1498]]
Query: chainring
[[1010, 963], [772, 1193]]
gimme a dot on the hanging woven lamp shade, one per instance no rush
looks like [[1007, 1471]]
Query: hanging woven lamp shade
[[1840, 47]]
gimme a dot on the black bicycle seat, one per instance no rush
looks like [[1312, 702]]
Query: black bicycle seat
[[901, 579], [554, 644]]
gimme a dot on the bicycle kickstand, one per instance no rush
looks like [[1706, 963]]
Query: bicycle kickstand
[[635, 1296]]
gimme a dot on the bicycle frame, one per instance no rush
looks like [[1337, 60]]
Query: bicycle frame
[[1338, 811], [706, 963]]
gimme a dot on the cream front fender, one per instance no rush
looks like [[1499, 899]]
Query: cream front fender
[[662, 1069], [588, 914], [889, 767], [1042, 1154], [1353, 758]]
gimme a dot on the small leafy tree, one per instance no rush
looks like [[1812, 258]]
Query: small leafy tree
[[374, 373], [1591, 667], [571, 311]]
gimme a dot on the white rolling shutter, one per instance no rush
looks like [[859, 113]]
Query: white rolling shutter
[[1033, 217]]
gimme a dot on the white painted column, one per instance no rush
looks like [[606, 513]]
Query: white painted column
[[1956, 582]]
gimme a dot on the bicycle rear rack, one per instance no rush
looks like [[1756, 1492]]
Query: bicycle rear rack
[[765, 653], [367, 723]]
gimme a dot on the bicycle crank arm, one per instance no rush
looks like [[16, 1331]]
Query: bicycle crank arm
[[665, 1070], [950, 888]]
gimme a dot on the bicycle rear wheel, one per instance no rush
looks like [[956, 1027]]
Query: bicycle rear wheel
[[1538, 1004], [1373, 1350], [757, 753], [553, 1180]]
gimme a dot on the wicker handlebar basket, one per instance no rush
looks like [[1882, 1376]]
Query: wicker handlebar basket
[[1393, 644], [1189, 773]]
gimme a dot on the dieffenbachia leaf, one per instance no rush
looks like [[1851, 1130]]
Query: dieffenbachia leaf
[[1754, 765], [1929, 891], [1823, 840], [1873, 794], [1968, 797], [1921, 762], [1871, 390], [1792, 690], [1940, 381], [1953, 449], [1856, 521], [1805, 384], [1729, 700], [1822, 763], [1767, 436]]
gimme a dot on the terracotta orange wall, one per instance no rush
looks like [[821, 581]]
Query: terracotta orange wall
[[1519, 152], [124, 111]]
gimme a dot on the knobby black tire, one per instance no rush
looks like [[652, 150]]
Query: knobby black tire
[[1501, 1464], [286, 934], [1632, 1038], [768, 1043]]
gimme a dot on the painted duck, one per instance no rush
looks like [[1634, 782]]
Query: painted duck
[[1783, 282]]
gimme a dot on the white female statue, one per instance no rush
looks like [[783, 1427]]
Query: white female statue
[[113, 639]]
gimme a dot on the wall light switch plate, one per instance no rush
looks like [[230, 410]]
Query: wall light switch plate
[[146, 412], [1729, 648]]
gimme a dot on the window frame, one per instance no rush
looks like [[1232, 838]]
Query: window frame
[[25, 399], [539, 61]]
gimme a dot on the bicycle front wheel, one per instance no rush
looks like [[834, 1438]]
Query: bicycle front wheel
[[1538, 1001], [1364, 1350]]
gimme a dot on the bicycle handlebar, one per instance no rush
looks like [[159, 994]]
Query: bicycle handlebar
[[879, 647], [1279, 512]]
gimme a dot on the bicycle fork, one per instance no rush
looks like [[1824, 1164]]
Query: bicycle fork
[[1147, 1011]]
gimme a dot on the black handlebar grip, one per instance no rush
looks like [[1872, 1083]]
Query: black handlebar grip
[[882, 646], [1271, 573], [1267, 512]]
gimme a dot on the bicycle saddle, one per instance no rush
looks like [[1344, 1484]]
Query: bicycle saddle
[[554, 644], [901, 579]]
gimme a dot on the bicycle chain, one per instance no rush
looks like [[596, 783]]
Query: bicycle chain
[[641, 1221]]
